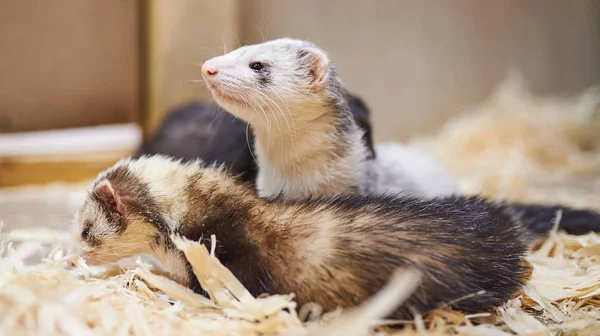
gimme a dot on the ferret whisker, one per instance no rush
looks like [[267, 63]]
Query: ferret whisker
[[252, 115], [215, 111], [61, 216], [212, 51], [248, 140], [126, 243], [224, 45], [273, 103], [237, 37], [246, 96], [214, 124], [262, 116], [118, 253], [264, 98], [292, 132], [242, 96], [266, 121], [263, 37], [216, 120], [289, 133], [262, 109], [127, 248]]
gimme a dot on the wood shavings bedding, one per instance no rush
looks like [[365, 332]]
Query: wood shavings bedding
[[516, 146], [521, 146]]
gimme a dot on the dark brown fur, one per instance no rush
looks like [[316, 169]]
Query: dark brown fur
[[340, 251]]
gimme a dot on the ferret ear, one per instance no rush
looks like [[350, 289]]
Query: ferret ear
[[318, 64], [109, 196]]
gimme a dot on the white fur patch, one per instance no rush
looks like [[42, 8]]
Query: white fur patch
[[401, 168]]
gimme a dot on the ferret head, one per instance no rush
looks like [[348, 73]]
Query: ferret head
[[106, 228], [131, 208], [270, 80]]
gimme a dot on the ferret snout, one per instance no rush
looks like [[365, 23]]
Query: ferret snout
[[209, 70], [72, 262]]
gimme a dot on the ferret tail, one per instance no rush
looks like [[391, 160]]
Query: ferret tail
[[538, 220]]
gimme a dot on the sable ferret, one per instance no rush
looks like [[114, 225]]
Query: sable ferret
[[307, 142], [335, 251]]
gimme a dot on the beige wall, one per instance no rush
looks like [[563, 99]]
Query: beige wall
[[67, 63], [417, 62]]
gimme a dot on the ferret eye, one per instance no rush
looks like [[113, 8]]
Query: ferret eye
[[256, 66], [85, 234]]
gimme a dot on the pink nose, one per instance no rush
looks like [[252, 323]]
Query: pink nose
[[209, 70]]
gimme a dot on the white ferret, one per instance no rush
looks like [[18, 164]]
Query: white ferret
[[307, 142]]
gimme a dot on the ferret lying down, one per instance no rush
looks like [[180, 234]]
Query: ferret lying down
[[335, 251], [306, 141]]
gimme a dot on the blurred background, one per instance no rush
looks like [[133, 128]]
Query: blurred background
[[119, 66]]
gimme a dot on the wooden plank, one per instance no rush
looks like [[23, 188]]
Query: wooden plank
[[179, 36], [68, 63], [51, 169], [63, 155], [70, 141]]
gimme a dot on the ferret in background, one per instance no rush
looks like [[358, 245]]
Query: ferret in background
[[334, 251], [307, 143], [204, 131]]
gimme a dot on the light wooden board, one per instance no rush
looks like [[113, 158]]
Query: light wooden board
[[68, 155], [180, 36], [68, 63], [48, 169]]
